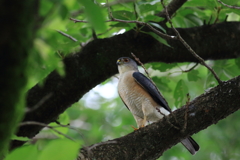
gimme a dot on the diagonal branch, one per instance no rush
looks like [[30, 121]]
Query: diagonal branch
[[151, 141], [68, 36], [188, 46]]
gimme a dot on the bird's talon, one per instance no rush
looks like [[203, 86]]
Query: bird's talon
[[135, 129]]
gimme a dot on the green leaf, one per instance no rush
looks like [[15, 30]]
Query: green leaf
[[193, 75], [180, 93], [123, 15], [120, 24], [230, 2], [162, 83], [227, 72], [163, 67], [14, 137], [28, 152], [64, 120], [63, 11], [158, 26], [194, 20], [158, 38], [94, 15], [209, 4], [210, 81], [153, 18], [237, 62], [147, 8], [61, 149]]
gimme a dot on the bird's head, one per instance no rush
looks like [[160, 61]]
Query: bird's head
[[126, 64]]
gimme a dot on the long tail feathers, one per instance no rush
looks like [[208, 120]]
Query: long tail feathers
[[191, 145]]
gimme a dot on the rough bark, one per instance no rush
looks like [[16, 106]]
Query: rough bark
[[151, 141], [96, 62]]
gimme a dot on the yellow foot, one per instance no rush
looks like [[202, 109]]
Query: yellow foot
[[134, 128]]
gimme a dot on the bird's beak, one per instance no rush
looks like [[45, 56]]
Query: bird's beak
[[118, 62]]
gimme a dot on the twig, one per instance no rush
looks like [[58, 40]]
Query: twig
[[44, 99], [68, 36], [138, 60], [99, 34], [183, 71], [94, 35], [226, 5], [188, 70], [76, 20], [132, 21], [116, 76], [210, 19], [188, 47], [67, 126], [218, 11], [44, 125], [172, 125], [172, 7]]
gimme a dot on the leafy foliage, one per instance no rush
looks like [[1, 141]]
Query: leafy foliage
[[96, 118]]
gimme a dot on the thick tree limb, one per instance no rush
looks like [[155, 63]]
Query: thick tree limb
[[151, 141], [96, 62]]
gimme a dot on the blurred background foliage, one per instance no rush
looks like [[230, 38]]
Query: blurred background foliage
[[100, 115]]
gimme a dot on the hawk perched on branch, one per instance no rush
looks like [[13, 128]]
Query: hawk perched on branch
[[143, 99]]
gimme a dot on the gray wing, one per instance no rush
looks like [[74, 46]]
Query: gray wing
[[151, 89], [146, 83]]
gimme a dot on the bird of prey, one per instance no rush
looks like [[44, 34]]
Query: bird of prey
[[141, 97]]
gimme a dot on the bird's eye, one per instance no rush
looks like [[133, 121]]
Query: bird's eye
[[126, 60]]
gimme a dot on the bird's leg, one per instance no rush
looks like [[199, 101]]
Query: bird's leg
[[144, 117], [140, 122], [144, 121]]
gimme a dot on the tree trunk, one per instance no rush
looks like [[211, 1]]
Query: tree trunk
[[16, 32]]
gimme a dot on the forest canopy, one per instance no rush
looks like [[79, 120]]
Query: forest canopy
[[59, 78]]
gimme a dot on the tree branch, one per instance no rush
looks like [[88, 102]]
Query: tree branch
[[172, 7], [229, 6], [82, 75], [151, 141]]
